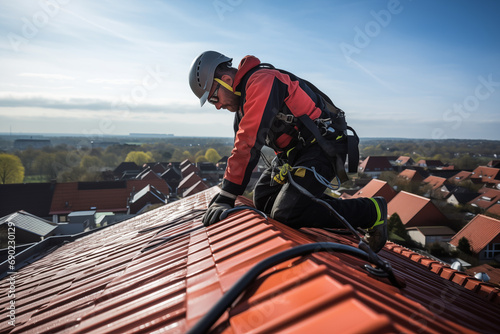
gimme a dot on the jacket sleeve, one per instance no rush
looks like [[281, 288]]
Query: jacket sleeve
[[263, 99]]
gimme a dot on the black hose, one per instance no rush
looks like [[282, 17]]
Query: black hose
[[209, 319]]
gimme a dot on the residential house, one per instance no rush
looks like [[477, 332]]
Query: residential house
[[187, 182], [375, 165], [483, 234], [27, 228], [486, 175], [209, 173], [146, 197], [404, 161], [492, 272], [493, 163], [195, 188], [409, 175], [486, 199], [416, 210], [427, 235], [460, 177], [436, 186], [173, 177], [126, 170], [111, 196], [188, 169], [34, 198], [430, 163], [374, 188], [459, 195], [165, 272]]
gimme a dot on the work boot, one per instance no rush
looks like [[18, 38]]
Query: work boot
[[376, 235]]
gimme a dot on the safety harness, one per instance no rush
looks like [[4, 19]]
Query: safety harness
[[329, 130]]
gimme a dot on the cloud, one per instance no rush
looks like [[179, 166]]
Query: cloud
[[47, 76]]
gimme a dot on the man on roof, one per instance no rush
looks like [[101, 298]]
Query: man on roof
[[280, 110]]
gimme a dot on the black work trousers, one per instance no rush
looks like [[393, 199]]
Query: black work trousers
[[287, 205]]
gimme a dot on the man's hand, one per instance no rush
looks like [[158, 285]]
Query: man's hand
[[216, 208]]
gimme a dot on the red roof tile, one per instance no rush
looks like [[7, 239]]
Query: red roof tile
[[480, 231], [487, 198], [410, 175], [435, 181], [415, 210], [376, 188], [162, 271]]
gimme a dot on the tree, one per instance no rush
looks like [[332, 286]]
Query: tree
[[396, 226], [11, 169], [464, 245], [139, 157], [212, 156]]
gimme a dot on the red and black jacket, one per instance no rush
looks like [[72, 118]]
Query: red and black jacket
[[265, 93]]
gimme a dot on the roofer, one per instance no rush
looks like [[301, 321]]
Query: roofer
[[275, 108]]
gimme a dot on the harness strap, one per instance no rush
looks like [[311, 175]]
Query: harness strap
[[329, 150]]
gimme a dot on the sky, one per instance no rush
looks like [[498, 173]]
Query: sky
[[406, 69]]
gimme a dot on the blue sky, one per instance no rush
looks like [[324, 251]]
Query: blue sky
[[408, 68]]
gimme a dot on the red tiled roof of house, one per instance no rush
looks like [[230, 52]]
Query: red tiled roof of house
[[435, 181], [410, 175], [486, 174], [494, 209], [415, 210], [403, 160], [486, 199], [480, 231], [376, 188], [460, 176], [163, 271], [493, 273], [81, 196]]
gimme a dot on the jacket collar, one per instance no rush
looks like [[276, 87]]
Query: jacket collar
[[246, 64]]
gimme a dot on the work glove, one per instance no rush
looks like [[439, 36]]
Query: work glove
[[218, 205]]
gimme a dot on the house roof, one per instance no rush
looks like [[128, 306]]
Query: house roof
[[28, 222], [403, 160], [195, 188], [104, 196], [494, 209], [410, 175], [493, 273], [486, 199], [460, 176], [189, 181], [163, 271], [188, 169], [415, 210], [435, 181], [375, 164], [480, 231], [434, 230], [34, 198], [376, 188], [486, 174], [430, 163]]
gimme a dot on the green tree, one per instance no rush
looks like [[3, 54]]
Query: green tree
[[212, 156], [464, 245], [396, 226], [89, 161], [139, 157], [11, 169]]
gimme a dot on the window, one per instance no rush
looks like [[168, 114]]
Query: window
[[492, 250]]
